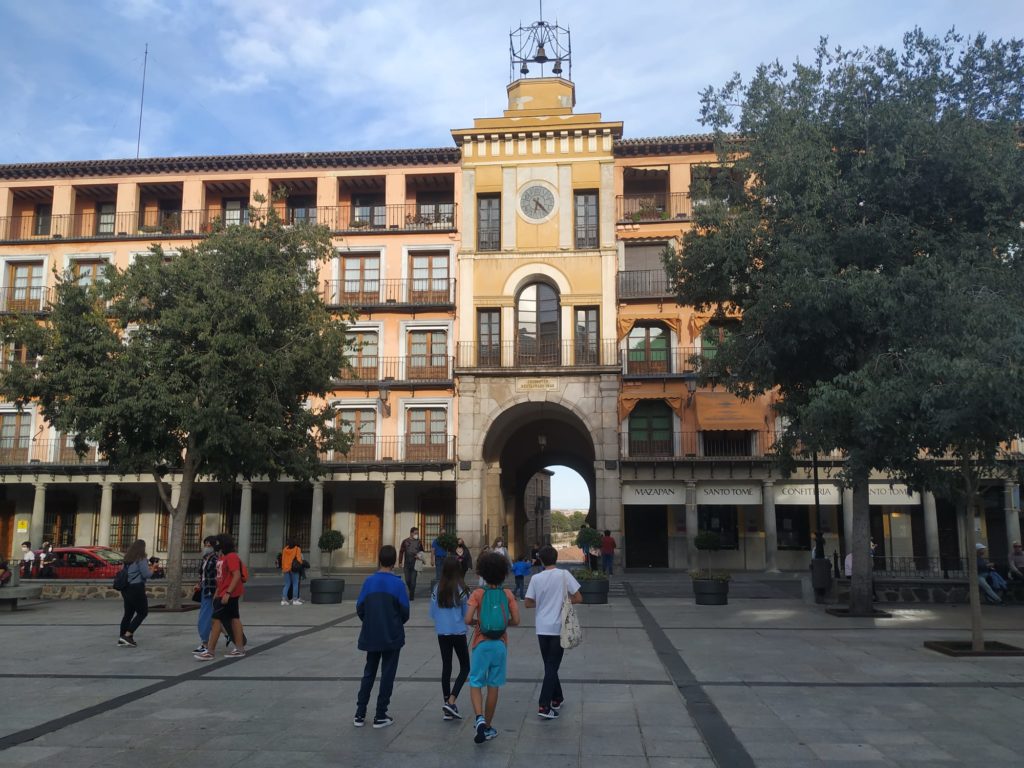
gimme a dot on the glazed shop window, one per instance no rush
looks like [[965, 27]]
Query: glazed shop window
[[488, 223], [793, 526], [647, 350], [721, 520], [650, 429]]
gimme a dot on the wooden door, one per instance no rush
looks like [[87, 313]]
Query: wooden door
[[368, 530], [6, 528]]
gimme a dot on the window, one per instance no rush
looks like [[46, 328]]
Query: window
[[537, 329], [25, 286], [297, 522], [429, 278], [368, 211], [193, 527], [236, 212], [586, 219], [727, 443], [361, 423], [647, 350], [87, 271], [170, 217], [711, 339], [434, 209], [428, 355], [301, 210], [488, 325], [363, 356], [105, 213], [650, 429], [793, 524], [231, 513], [15, 436], [437, 513], [426, 437], [721, 520], [259, 523], [709, 183], [13, 353], [488, 223], [59, 525], [124, 526], [360, 279], [43, 218], [586, 336]]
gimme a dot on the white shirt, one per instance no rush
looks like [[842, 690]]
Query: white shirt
[[28, 554], [548, 589]]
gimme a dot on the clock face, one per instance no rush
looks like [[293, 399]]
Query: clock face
[[537, 202]]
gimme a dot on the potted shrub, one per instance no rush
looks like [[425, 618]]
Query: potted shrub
[[328, 590], [448, 540], [709, 587], [593, 583]]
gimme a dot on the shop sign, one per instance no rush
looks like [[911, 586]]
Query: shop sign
[[654, 493], [722, 494], [802, 494], [22, 525], [893, 495]]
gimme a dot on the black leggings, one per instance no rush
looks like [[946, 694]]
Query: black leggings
[[136, 607], [447, 644]]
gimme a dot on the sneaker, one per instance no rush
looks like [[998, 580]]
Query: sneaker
[[123, 642], [556, 704], [481, 730], [359, 721], [490, 733], [129, 641], [235, 653], [296, 601], [451, 711], [383, 722], [547, 713], [204, 656], [284, 602], [445, 715], [199, 649]]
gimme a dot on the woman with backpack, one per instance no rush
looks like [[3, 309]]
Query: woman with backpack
[[136, 605], [291, 568], [448, 610]]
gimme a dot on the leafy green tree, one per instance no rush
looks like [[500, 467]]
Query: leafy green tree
[[212, 362], [848, 191], [567, 523]]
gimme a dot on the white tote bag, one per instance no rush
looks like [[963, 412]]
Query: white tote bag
[[571, 633]]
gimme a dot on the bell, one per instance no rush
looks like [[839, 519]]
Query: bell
[[557, 69], [541, 57], [525, 70]]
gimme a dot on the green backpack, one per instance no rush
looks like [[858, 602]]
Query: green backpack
[[494, 612]]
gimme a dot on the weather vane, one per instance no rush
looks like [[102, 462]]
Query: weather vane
[[540, 43]]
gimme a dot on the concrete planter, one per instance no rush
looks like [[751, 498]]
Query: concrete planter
[[710, 592], [594, 591], [326, 591]]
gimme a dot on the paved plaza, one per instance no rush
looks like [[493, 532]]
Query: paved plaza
[[659, 682]]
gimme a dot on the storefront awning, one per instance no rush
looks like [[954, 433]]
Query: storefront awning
[[725, 411]]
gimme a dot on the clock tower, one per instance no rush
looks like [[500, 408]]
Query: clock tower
[[537, 358]]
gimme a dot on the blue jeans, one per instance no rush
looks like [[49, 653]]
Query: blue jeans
[[606, 562], [290, 580], [388, 663], [987, 591], [205, 622], [520, 590]]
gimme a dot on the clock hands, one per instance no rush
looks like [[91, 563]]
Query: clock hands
[[538, 204]]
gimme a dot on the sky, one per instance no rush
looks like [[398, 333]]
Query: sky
[[231, 77]]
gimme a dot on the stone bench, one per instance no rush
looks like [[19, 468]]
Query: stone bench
[[9, 596]]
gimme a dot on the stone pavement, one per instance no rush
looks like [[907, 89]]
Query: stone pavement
[[658, 682]]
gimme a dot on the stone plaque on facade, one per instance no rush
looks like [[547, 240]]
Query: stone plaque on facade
[[536, 385]]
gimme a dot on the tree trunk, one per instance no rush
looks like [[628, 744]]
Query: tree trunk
[[863, 567], [973, 588], [178, 513]]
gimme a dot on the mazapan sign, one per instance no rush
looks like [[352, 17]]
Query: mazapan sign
[[654, 493]]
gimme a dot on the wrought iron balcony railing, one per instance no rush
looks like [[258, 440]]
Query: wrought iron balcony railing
[[35, 298], [530, 354], [16, 451], [643, 284], [658, 363], [425, 292], [644, 207], [741, 444], [418, 448], [410, 369]]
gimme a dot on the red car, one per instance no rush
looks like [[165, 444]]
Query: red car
[[78, 563]]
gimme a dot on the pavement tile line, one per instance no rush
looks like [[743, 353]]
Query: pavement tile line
[[28, 734], [721, 741]]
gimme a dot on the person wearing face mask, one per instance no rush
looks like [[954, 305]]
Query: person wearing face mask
[[207, 586], [407, 555]]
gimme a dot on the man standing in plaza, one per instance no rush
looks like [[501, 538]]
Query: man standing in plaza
[[440, 553], [607, 552], [407, 554], [546, 592]]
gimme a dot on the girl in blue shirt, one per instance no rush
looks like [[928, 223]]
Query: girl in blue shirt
[[448, 610]]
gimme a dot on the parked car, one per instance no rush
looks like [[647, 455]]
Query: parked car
[[80, 563]]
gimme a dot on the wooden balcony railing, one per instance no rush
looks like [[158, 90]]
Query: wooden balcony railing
[[533, 355], [426, 292]]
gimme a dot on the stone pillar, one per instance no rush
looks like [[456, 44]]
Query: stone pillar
[[38, 515], [245, 522], [771, 537], [388, 534], [848, 518], [1012, 519], [691, 525], [931, 528], [316, 526], [106, 507]]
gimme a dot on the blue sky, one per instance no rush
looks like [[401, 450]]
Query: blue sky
[[227, 76]]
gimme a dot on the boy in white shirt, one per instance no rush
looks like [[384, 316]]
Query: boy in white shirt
[[546, 591]]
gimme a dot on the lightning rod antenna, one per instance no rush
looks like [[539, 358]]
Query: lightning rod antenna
[[142, 100]]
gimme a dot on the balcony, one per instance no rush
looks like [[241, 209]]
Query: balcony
[[374, 219], [420, 449], [745, 444], [410, 370], [644, 284], [531, 356], [16, 451], [364, 294], [28, 299], [659, 364], [647, 207]]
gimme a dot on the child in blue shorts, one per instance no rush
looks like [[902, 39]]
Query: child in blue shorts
[[520, 568], [489, 655]]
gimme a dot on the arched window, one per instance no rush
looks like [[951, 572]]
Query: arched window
[[650, 429], [537, 332], [647, 351]]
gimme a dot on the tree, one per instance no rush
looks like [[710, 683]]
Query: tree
[[850, 180], [209, 363]]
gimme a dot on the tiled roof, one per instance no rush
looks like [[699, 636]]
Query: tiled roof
[[663, 145], [277, 161]]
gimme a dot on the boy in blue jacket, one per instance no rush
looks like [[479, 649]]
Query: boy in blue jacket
[[383, 607]]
